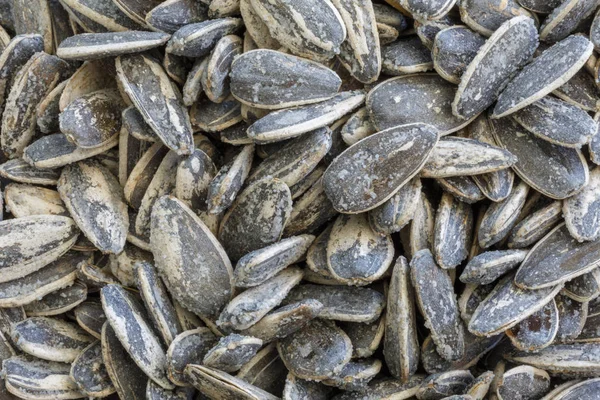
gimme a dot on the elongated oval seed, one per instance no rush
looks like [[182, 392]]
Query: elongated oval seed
[[580, 210]]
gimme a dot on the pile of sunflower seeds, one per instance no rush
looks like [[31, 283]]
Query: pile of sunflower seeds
[[300, 199]]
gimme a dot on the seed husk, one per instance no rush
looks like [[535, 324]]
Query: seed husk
[[540, 6], [535, 226], [523, 381], [395, 213], [536, 331], [428, 10], [33, 18], [357, 127], [265, 370], [18, 170], [407, 55], [572, 316], [103, 13], [89, 373], [461, 187], [486, 16], [386, 389], [565, 18], [232, 352], [24, 200], [422, 226], [453, 50], [365, 337], [171, 15], [93, 75], [215, 77], [579, 210], [452, 232], [58, 301], [579, 390], [585, 287], [90, 316], [193, 178], [188, 347], [198, 39]]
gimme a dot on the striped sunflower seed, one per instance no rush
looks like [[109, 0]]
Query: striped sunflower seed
[[365, 338], [486, 267], [536, 331], [478, 389], [104, 13], [265, 370], [169, 16], [407, 55], [396, 212], [579, 390], [300, 389], [540, 6], [565, 18], [90, 316], [572, 316], [58, 302], [88, 46], [486, 16], [189, 347], [428, 10], [207, 116], [581, 91], [355, 375], [523, 381], [198, 39], [92, 76], [386, 389], [357, 127], [18, 170], [193, 178], [579, 210], [215, 77], [463, 188], [585, 287], [453, 50], [24, 200], [232, 352], [48, 110], [535, 226], [452, 232], [444, 384], [34, 18], [89, 373]]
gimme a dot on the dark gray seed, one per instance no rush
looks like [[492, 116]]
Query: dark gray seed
[[27, 377], [580, 210], [18, 170], [407, 55], [308, 31], [94, 198], [157, 302], [232, 352], [385, 389], [457, 156], [515, 40], [196, 271], [30, 243], [250, 306], [593, 146], [198, 39], [580, 91], [54, 151], [557, 122], [207, 116], [256, 218], [535, 226], [90, 316], [438, 386], [310, 211], [342, 303], [80, 23], [388, 15], [219, 385], [585, 287], [104, 13], [137, 9], [453, 229], [224, 188], [235, 135], [461, 187], [571, 318], [547, 72], [586, 389], [438, 299], [507, 305], [89, 373], [128, 379], [395, 213], [265, 370], [365, 338], [171, 15], [501, 217], [57, 275], [308, 181], [565, 18], [257, 266], [319, 351], [523, 382], [387, 34], [296, 159], [316, 258], [536, 331], [58, 302], [149, 88], [401, 345], [256, 29], [453, 50], [194, 175], [479, 388], [9, 317], [557, 258], [33, 18], [93, 75], [428, 10], [486, 16], [50, 339], [368, 165], [285, 124], [396, 102], [125, 316], [123, 265], [422, 227], [88, 46], [25, 200], [355, 375], [595, 32], [540, 6], [215, 77], [300, 389], [155, 392], [177, 68], [48, 110], [426, 30], [31, 85], [192, 89], [189, 347], [486, 267], [357, 127], [271, 79], [555, 171]]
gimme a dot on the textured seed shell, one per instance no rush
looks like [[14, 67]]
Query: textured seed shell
[[547, 72], [555, 171], [50, 339], [89, 372], [429, 10], [48, 109], [215, 77], [540, 6], [188, 347], [231, 352], [572, 316], [444, 384], [422, 227], [507, 305], [461, 187], [377, 156], [557, 122], [397, 101], [365, 337], [193, 178], [452, 233], [575, 359], [426, 30], [536, 331], [188, 257], [149, 88], [220, 385], [90, 316], [396, 212], [104, 13], [285, 80], [585, 287], [515, 40], [24, 200], [208, 116], [265, 370], [33, 18], [453, 50], [94, 198], [314, 33], [447, 333], [142, 174], [407, 55], [256, 218], [486, 16], [171, 15], [124, 314], [580, 210], [88, 46], [355, 253], [285, 124], [535, 226], [249, 307], [126, 376], [198, 39], [486, 267], [93, 75], [580, 91], [31, 85], [18, 170], [565, 18], [58, 302], [523, 381], [357, 127], [31, 243], [386, 389]]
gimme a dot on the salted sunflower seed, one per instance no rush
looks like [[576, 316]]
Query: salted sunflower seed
[[149, 88], [486, 267], [171, 15], [386, 388], [90, 316], [428, 10], [198, 39], [24, 200], [579, 210], [18, 170], [189, 347], [127, 319], [58, 302], [547, 72], [141, 175], [155, 392], [486, 16], [585, 287], [103, 13], [461, 187], [356, 374], [565, 18], [478, 389], [215, 77], [89, 373], [208, 116], [387, 34], [89, 46], [300, 389], [515, 40], [422, 227], [579, 390], [395, 213], [572, 316], [285, 124], [33, 18], [536, 331], [232, 352], [453, 50], [48, 109], [452, 232], [310, 211], [357, 127], [426, 30], [523, 381], [535, 226], [540, 6], [507, 305], [407, 55], [193, 178], [50, 339], [265, 370], [365, 337], [555, 171]]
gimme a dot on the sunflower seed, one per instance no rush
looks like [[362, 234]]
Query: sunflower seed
[[232, 352], [385, 389], [92, 76], [308, 181], [580, 390], [488, 73], [535, 226], [47, 111], [536, 331], [507, 305], [58, 302], [265, 370], [523, 381], [427, 29], [149, 88], [90, 316], [89, 373], [25, 200], [188, 347], [396, 212], [215, 77], [453, 50], [387, 34], [478, 389], [579, 212], [194, 175], [285, 124], [365, 337], [171, 15], [407, 55], [103, 12], [310, 211], [565, 18], [357, 127], [571, 318], [50, 339], [355, 375], [300, 389], [444, 384], [422, 227], [486, 16], [452, 235], [89, 46], [585, 287], [198, 39], [18, 170], [540, 6]]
